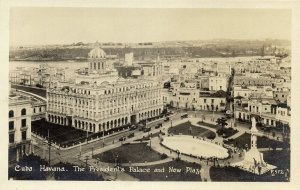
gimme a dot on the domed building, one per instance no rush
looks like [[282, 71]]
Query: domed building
[[99, 71], [101, 101], [96, 59]]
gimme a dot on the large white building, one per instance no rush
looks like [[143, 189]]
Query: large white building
[[101, 101], [186, 95], [20, 112], [218, 83]]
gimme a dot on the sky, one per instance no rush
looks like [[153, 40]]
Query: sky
[[42, 26]]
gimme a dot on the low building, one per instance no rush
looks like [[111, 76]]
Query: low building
[[266, 111]]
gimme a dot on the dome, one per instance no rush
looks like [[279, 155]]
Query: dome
[[97, 52]]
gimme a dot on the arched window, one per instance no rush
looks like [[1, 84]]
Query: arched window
[[23, 111], [11, 113]]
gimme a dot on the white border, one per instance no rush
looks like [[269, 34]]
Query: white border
[[4, 45]]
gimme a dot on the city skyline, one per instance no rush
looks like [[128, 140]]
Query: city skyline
[[29, 26]]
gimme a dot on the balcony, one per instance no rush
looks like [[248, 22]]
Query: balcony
[[12, 130], [23, 128]]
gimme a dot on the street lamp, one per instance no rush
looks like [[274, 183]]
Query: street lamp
[[86, 159], [103, 138], [92, 151], [116, 158], [87, 136], [80, 149]]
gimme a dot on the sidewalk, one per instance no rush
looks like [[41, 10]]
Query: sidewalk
[[148, 163]]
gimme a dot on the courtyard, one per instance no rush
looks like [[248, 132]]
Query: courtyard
[[61, 135]]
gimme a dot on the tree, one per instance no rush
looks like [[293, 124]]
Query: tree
[[222, 122]]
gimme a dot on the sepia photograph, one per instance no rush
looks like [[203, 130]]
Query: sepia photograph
[[149, 94]]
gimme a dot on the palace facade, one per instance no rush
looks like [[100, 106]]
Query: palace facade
[[100, 100]]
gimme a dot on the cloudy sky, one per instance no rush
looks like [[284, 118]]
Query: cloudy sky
[[36, 26]]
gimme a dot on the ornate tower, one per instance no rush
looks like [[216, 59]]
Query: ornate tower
[[97, 60], [254, 160]]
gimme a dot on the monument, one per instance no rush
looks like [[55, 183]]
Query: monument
[[253, 159]]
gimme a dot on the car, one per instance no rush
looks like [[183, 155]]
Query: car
[[133, 127], [158, 126], [122, 138], [166, 119], [171, 112], [147, 129], [130, 135], [184, 116]]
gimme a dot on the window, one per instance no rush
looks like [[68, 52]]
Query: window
[[24, 135], [23, 111], [11, 138], [11, 113], [204, 100], [23, 123], [11, 125], [212, 101]]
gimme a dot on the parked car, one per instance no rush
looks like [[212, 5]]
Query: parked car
[[122, 138], [147, 129], [184, 116], [133, 127], [158, 126], [131, 135], [166, 119]]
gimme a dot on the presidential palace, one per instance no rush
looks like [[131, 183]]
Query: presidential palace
[[99, 100]]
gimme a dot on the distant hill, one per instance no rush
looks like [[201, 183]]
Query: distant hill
[[213, 48]]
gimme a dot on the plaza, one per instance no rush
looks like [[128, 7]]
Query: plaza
[[195, 147]]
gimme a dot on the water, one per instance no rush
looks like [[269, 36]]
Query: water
[[58, 64], [69, 67]]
